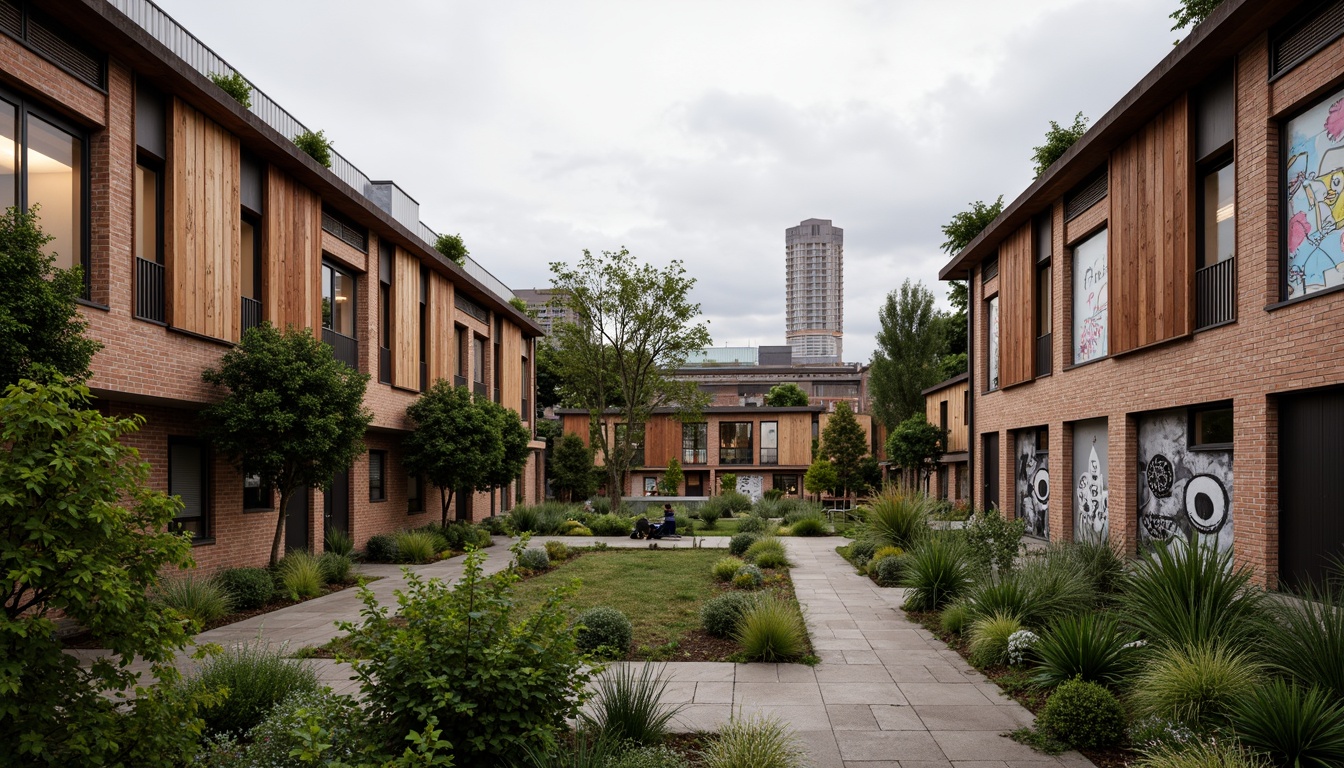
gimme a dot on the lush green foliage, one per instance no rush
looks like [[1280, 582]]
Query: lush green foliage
[[545, 519], [956, 617], [937, 571], [557, 551], [610, 525], [844, 443], [771, 629], [741, 542], [1215, 753], [1088, 646], [888, 572], [1189, 595], [709, 518], [85, 536], [338, 542], [1193, 12], [726, 568], [279, 739], [1057, 141], [248, 588], [754, 742], [733, 501], [786, 395], [493, 683], [236, 86], [1044, 589], [670, 483], [453, 248], [534, 560], [754, 526], [720, 614], [1307, 640], [315, 145], [989, 638], [293, 414], [415, 546], [39, 322], [966, 225], [201, 599], [905, 361], [1083, 714], [381, 548], [896, 517], [748, 577], [821, 477], [915, 444], [256, 677], [649, 757], [767, 553], [605, 631], [335, 568], [299, 575], [628, 706], [571, 469], [809, 526], [994, 541], [1292, 725], [1196, 686]]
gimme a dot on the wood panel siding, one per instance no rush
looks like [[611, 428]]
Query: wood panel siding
[[442, 350], [202, 226], [865, 420], [511, 362], [292, 253], [662, 440], [955, 397], [795, 439], [406, 320], [1017, 308], [1151, 221]]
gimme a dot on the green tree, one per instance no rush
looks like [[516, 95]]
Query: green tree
[[786, 395], [909, 347], [549, 383], [916, 445], [633, 325], [452, 247], [821, 478], [84, 536], [966, 225], [870, 474], [844, 444], [521, 306], [727, 482], [670, 485], [514, 438], [1193, 12], [454, 442], [1057, 141], [293, 415], [39, 322], [572, 476]]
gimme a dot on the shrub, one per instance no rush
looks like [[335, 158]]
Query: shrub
[[546, 519], [534, 560], [256, 677], [629, 706], [989, 639], [605, 631], [1098, 560], [282, 729], [601, 505], [888, 571], [883, 552], [236, 86], [496, 681], [736, 502], [1021, 644], [499, 525], [897, 517], [557, 551], [709, 518], [1084, 715], [685, 524], [795, 510], [249, 588], [1291, 724], [415, 546], [1217, 753], [459, 535], [649, 757], [381, 549], [810, 526], [315, 145], [862, 549], [1187, 595], [1195, 686], [714, 505], [771, 629], [756, 742], [1040, 591], [768, 508], [748, 577], [299, 575], [579, 531], [937, 572], [955, 617], [719, 615], [767, 553], [739, 543], [338, 541], [199, 598], [1307, 640], [335, 568], [753, 525], [993, 541], [1086, 646], [610, 525], [725, 568]]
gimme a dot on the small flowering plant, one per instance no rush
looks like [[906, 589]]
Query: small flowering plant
[[1020, 644]]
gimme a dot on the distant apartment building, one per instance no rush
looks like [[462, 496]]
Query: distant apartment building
[[541, 303], [814, 283], [743, 376]]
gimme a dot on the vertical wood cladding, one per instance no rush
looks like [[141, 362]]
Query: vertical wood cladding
[[511, 374], [662, 440], [202, 235], [441, 349], [955, 397], [1151, 243], [795, 439], [1017, 307], [292, 256], [406, 321]]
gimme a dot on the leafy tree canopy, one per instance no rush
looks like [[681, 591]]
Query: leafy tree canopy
[[293, 415], [821, 477], [1193, 12], [549, 383], [844, 443], [786, 395], [39, 322], [964, 226], [907, 358], [670, 484], [508, 464], [915, 444], [454, 442], [1057, 141], [572, 476], [452, 247]]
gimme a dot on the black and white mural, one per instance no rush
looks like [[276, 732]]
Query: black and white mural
[[1033, 483], [1091, 520], [1184, 494]]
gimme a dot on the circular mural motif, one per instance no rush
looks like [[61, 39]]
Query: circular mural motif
[[1040, 486], [1206, 503], [1161, 475]]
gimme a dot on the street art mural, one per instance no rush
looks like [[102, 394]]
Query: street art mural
[[994, 343], [1033, 484], [1090, 298], [1314, 180], [1091, 520], [751, 485], [1184, 495]]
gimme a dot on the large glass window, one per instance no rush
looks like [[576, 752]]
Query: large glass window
[[695, 443], [188, 479], [786, 483], [1090, 322], [478, 359], [338, 301], [1217, 216], [735, 442], [769, 442], [1313, 212], [992, 325], [49, 172], [377, 470]]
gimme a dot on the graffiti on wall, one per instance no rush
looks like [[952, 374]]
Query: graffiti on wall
[[1314, 179], [1090, 298], [1091, 518], [1033, 484], [1184, 495], [751, 485]]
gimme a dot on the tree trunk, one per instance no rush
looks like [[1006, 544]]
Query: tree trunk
[[280, 527], [444, 502], [614, 490]]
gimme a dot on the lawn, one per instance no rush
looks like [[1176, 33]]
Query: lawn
[[726, 526]]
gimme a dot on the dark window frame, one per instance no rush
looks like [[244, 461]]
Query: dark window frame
[[1220, 160], [255, 220], [415, 505], [329, 283], [381, 486], [206, 517], [748, 451], [150, 162], [1192, 441], [775, 458], [796, 485], [699, 443], [262, 498]]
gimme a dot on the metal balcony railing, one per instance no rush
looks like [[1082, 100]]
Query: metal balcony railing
[[1216, 294], [343, 347], [149, 301], [250, 314]]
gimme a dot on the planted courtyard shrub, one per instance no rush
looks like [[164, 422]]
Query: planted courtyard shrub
[[335, 568], [771, 629], [993, 541], [767, 553], [649, 757], [956, 617], [1306, 642], [1291, 724], [1083, 715], [709, 518], [989, 639], [381, 548], [810, 526], [257, 677], [418, 546], [719, 615], [1087, 646], [250, 588], [298, 575], [201, 599], [628, 707], [281, 732], [557, 551], [753, 524], [739, 543], [736, 502], [754, 742], [888, 571], [937, 573], [725, 568], [338, 541], [605, 631], [897, 517], [1195, 686], [748, 577], [534, 560], [610, 525]]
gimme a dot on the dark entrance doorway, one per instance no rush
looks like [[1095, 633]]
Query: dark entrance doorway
[[1311, 487], [296, 521], [991, 473], [695, 483], [336, 503]]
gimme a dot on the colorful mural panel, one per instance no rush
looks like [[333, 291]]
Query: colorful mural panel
[[1091, 519], [1033, 484], [1090, 299], [1314, 180], [1184, 495]]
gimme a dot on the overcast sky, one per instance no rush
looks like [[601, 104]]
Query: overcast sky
[[694, 130]]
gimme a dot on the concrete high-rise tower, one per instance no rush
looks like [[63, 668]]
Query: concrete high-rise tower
[[814, 282]]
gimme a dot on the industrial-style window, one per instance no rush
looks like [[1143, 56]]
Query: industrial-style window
[[463, 355], [256, 495], [386, 256], [1044, 297], [1216, 245], [189, 480], [695, 443], [1211, 427], [735, 442], [1090, 321], [338, 313], [992, 332], [632, 439], [148, 239], [377, 470], [786, 483], [415, 495], [251, 277], [769, 442]]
